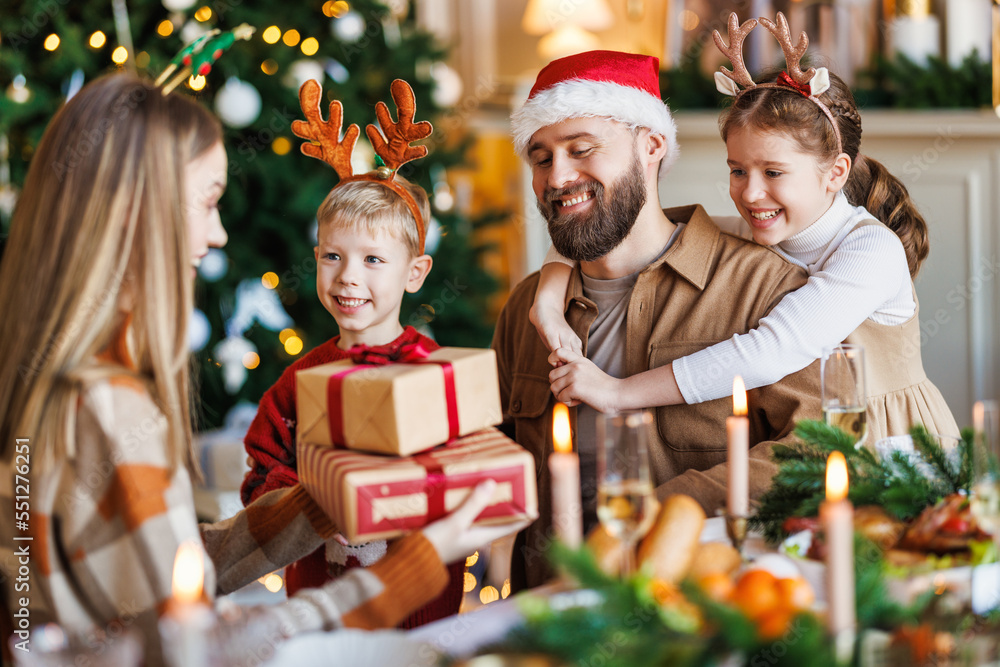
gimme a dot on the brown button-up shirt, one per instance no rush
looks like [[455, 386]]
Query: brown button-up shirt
[[707, 287]]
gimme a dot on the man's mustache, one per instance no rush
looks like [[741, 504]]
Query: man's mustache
[[555, 195]]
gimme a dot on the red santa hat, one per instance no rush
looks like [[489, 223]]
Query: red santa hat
[[622, 86]]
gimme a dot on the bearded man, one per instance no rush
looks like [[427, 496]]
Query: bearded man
[[651, 286]]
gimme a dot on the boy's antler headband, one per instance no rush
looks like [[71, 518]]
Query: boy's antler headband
[[394, 148], [814, 81]]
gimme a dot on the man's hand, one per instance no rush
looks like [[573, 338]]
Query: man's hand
[[576, 378], [455, 537], [552, 327]]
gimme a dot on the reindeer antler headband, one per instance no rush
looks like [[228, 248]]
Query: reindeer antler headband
[[324, 141], [814, 81]]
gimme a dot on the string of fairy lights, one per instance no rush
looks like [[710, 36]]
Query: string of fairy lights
[[271, 35]]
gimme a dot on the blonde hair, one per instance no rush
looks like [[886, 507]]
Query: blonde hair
[[869, 184], [375, 209], [100, 223]]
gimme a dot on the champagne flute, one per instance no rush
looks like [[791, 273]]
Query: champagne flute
[[985, 497], [626, 504], [845, 397]]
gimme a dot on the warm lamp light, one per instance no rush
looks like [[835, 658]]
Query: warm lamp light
[[562, 440], [566, 25], [189, 573], [836, 477], [739, 397]]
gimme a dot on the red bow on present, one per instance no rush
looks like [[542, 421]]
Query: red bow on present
[[364, 356], [409, 353], [788, 81]]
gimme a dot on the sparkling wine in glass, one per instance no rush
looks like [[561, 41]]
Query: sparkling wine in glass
[[845, 397], [626, 504], [984, 501]]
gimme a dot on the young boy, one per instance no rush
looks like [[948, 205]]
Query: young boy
[[368, 255]]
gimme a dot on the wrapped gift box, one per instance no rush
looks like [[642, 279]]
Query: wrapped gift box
[[399, 408], [373, 496]]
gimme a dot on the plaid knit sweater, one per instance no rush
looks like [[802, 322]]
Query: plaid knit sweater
[[104, 525], [270, 442]]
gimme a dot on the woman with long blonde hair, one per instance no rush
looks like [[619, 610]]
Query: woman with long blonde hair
[[119, 206]]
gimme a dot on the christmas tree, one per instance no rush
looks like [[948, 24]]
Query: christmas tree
[[257, 307]]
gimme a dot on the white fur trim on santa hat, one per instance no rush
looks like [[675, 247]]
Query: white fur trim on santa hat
[[578, 98]]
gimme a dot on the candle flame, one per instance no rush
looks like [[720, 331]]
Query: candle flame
[[562, 439], [836, 477], [739, 397], [189, 573]]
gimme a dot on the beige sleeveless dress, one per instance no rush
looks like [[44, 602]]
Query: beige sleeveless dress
[[899, 393]]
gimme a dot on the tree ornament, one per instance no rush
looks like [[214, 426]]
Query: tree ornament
[[230, 353], [238, 103], [18, 90], [192, 31], [349, 27], [433, 239], [199, 331], [447, 85], [8, 193], [178, 5], [214, 265], [256, 303], [337, 71], [301, 71], [199, 56]]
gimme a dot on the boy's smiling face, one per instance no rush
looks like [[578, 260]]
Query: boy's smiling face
[[360, 280]]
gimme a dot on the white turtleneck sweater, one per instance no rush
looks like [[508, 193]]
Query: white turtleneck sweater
[[853, 276]]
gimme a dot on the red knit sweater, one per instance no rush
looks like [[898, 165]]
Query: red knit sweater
[[270, 442]]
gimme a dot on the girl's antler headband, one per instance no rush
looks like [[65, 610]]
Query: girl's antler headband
[[814, 81], [324, 141]]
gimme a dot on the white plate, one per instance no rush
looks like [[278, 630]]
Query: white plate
[[391, 648]]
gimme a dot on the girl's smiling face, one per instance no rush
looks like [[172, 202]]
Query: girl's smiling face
[[778, 189]]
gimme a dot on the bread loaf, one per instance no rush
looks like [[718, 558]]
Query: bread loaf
[[671, 543], [713, 558], [607, 550]]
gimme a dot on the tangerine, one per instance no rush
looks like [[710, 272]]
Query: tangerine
[[773, 623], [757, 593], [717, 585], [665, 592], [796, 593]]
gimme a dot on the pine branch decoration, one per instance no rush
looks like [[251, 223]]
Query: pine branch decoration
[[897, 484]]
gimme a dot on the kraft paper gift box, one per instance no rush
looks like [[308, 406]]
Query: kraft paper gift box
[[400, 408], [373, 496]]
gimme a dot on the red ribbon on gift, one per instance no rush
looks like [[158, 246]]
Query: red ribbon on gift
[[436, 484], [364, 357]]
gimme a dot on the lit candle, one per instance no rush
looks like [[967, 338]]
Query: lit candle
[[837, 518], [978, 418], [564, 466], [738, 445], [188, 620]]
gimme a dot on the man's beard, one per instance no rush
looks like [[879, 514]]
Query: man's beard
[[592, 234]]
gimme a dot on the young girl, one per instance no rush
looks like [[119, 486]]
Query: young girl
[[118, 207], [800, 182]]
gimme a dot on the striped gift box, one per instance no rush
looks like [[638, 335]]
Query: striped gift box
[[375, 496]]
